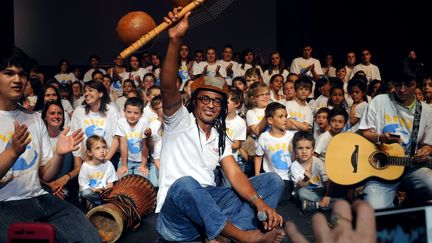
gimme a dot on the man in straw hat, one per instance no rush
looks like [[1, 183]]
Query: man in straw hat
[[189, 204]]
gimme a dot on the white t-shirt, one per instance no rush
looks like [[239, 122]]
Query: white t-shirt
[[254, 117], [224, 65], [322, 143], [67, 106], [24, 174], [299, 112], [267, 75], [134, 136], [88, 74], [94, 123], [211, 69], [64, 78], [235, 130], [371, 70], [358, 112], [96, 176], [299, 64], [187, 152], [276, 153], [157, 138], [149, 115], [78, 102], [246, 66], [183, 72], [318, 173], [140, 72], [384, 115]]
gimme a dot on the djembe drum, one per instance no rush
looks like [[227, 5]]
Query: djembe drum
[[131, 198]]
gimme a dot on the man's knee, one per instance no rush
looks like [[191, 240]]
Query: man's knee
[[185, 184]]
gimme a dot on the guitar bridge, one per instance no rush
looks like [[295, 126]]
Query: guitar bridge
[[354, 158]]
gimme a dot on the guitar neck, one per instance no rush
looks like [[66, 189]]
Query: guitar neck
[[407, 161]]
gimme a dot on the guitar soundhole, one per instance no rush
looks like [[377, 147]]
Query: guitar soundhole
[[379, 160]]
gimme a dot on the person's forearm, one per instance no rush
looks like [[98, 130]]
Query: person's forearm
[[51, 169], [7, 159]]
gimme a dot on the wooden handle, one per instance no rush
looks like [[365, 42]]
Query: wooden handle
[[157, 30]]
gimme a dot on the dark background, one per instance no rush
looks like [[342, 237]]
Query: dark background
[[50, 29]]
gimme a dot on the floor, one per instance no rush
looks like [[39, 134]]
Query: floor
[[288, 209]]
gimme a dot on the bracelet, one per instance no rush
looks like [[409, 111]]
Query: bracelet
[[255, 197], [70, 177]]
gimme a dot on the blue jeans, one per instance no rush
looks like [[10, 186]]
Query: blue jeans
[[417, 182], [153, 174], [69, 222], [191, 211], [91, 196]]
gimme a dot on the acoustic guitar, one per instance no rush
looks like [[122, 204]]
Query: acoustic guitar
[[351, 159]]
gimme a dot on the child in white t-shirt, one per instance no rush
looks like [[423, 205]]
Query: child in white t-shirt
[[308, 174], [337, 119], [97, 173], [274, 149], [299, 112], [321, 124], [357, 90], [235, 131], [258, 99], [133, 149], [155, 140]]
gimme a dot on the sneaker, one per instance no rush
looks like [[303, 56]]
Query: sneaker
[[309, 205]]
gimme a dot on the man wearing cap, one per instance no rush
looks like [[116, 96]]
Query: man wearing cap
[[189, 204]]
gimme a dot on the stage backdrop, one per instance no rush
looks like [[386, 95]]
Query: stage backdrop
[[50, 30]]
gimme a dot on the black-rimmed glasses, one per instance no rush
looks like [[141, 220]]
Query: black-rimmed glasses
[[217, 102]]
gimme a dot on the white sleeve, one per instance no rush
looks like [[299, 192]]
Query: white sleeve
[[120, 130], [251, 118], [309, 115], [181, 118], [321, 144], [83, 179], [369, 117], [240, 131], [45, 146], [259, 149], [360, 109], [297, 172]]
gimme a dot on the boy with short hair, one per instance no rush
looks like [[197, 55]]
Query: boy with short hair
[[96, 174], [274, 148], [133, 149], [321, 122], [308, 174], [337, 119], [235, 129], [300, 114]]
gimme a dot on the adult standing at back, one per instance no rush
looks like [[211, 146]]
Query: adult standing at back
[[94, 65], [306, 64], [372, 71]]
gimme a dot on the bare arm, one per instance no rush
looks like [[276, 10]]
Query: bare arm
[[123, 156], [65, 144], [258, 128], [244, 188], [114, 147], [171, 98], [236, 144], [19, 141], [297, 125], [257, 163]]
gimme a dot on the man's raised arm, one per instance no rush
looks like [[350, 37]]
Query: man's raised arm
[[171, 98]]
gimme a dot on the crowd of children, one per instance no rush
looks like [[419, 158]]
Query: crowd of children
[[280, 120]]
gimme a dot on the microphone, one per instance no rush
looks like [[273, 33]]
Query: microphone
[[262, 216]]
